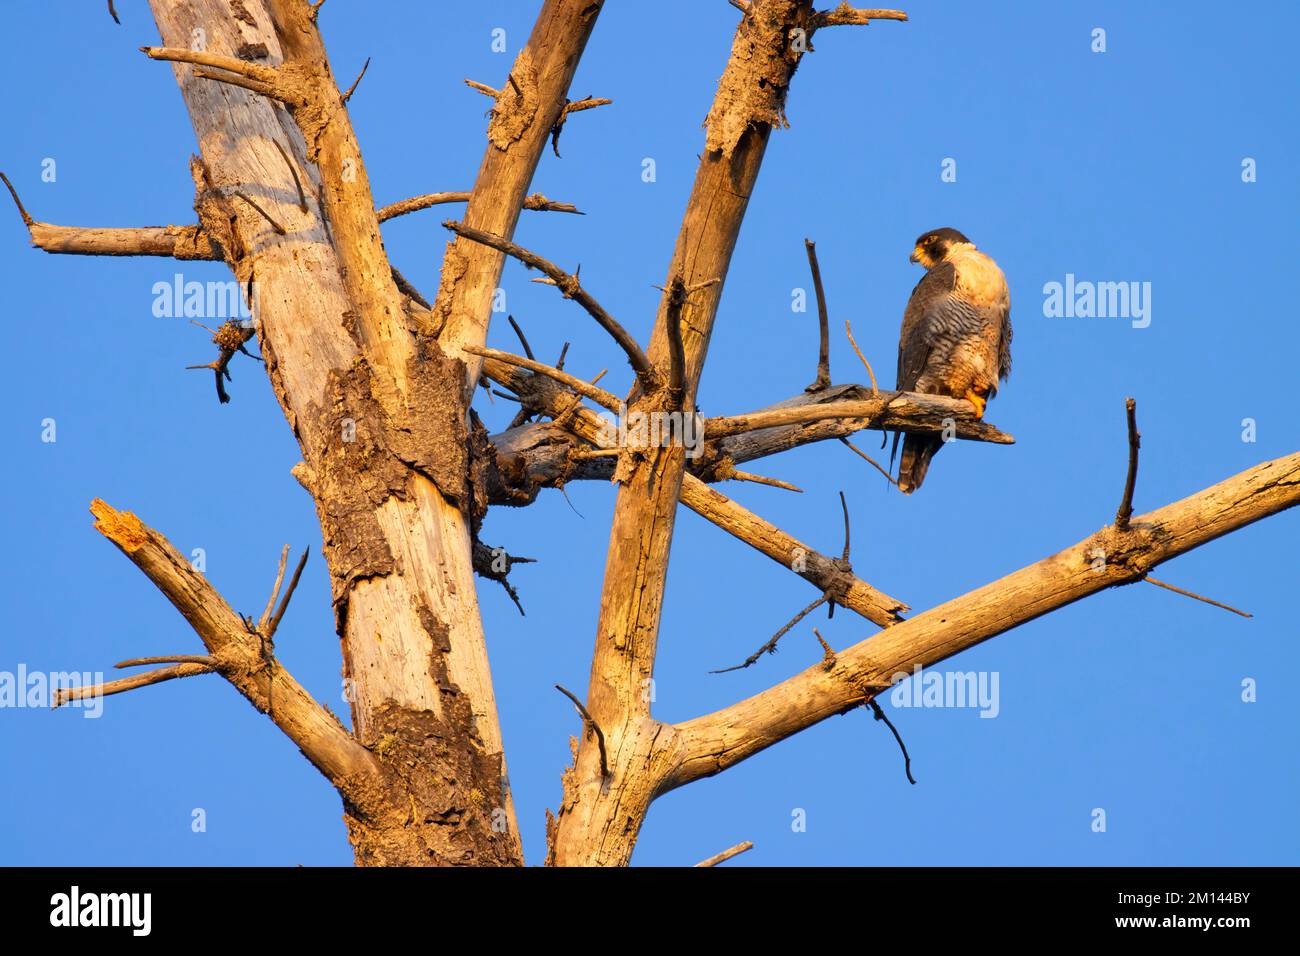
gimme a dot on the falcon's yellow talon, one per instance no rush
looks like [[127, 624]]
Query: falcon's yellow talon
[[979, 401]]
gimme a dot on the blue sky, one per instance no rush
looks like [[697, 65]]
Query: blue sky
[[1117, 166]]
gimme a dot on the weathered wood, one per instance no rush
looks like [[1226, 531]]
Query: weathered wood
[[543, 455], [239, 655], [710, 744], [525, 111], [397, 545]]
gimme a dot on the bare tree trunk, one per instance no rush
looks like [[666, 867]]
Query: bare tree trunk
[[600, 818], [378, 405]]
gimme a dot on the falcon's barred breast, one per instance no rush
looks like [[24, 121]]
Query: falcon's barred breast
[[956, 336]]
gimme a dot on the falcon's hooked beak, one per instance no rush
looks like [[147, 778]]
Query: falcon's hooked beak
[[915, 256]]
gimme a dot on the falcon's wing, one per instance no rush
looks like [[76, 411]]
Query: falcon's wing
[[916, 339]]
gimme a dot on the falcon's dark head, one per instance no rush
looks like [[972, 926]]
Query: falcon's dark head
[[933, 246]]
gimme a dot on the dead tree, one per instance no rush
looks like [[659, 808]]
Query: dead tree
[[376, 382]]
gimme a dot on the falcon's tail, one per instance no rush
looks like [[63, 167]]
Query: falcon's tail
[[915, 461]]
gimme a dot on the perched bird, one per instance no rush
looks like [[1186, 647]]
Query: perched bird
[[956, 336]]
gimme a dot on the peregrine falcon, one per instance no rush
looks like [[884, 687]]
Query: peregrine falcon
[[956, 336]]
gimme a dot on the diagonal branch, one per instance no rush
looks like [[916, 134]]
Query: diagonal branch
[[586, 389], [712, 743], [827, 574], [236, 651], [568, 284], [124, 684], [516, 138], [536, 202]]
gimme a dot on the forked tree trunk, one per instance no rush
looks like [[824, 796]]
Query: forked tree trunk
[[379, 409]]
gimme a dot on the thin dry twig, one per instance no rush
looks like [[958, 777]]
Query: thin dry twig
[[828, 655], [736, 850], [848, 330], [770, 646], [869, 460], [569, 285], [735, 474], [67, 694], [279, 229], [523, 340], [573, 106], [823, 323], [293, 171], [1192, 594], [355, 83], [1125, 512], [27, 219], [203, 659], [676, 349], [879, 714], [535, 202], [586, 389], [592, 727], [269, 633]]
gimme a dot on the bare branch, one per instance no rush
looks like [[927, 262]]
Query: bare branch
[[569, 285], [769, 647], [1125, 511], [598, 395], [293, 171], [357, 82], [724, 738], [147, 679], [279, 229], [536, 202], [274, 624], [739, 848], [573, 106], [177, 242], [236, 650], [735, 474], [869, 460], [523, 339], [482, 88], [823, 378], [1192, 594], [264, 75], [825, 573], [848, 330], [592, 728], [516, 138], [846, 15], [244, 82], [676, 350], [879, 713], [920, 412], [27, 220], [203, 659]]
